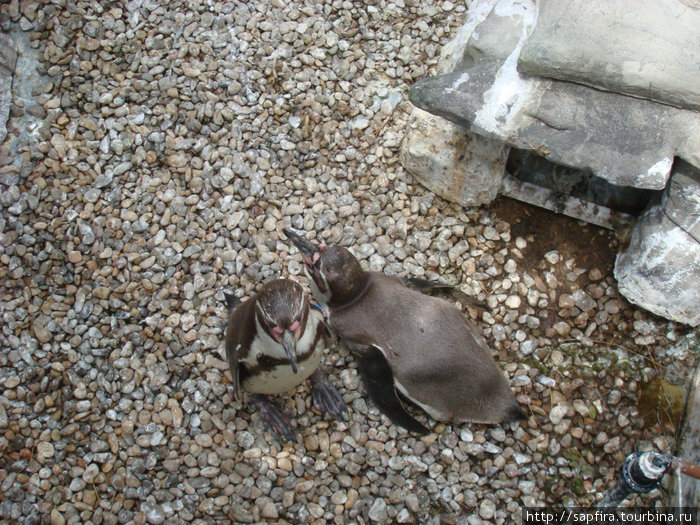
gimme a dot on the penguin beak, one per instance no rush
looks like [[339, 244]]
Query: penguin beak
[[289, 343], [307, 248]]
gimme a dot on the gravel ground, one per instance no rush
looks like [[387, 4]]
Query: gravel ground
[[154, 163]]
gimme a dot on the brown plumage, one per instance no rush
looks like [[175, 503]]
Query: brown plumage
[[437, 357]]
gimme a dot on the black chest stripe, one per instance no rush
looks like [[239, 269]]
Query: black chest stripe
[[266, 363]]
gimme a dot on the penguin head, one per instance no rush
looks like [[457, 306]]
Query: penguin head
[[337, 276], [282, 310]]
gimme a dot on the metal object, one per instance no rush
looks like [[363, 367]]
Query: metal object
[[687, 468], [641, 472]]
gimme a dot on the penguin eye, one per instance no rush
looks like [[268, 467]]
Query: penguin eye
[[296, 328], [277, 331]]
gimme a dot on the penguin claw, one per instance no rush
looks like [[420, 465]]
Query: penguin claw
[[276, 419], [326, 397]]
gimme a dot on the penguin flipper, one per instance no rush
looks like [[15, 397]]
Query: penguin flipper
[[232, 355], [425, 286], [379, 381], [231, 300], [327, 333]]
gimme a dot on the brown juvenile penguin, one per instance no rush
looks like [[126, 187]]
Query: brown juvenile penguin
[[275, 341], [419, 345]]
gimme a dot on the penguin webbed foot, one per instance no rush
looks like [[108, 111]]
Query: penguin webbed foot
[[276, 419], [326, 397], [379, 381]]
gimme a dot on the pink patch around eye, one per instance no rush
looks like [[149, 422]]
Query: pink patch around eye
[[276, 331], [322, 245], [296, 328], [316, 257]]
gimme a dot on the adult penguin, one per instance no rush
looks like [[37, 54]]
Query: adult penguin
[[410, 344]]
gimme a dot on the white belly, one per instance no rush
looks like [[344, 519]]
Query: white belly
[[281, 378]]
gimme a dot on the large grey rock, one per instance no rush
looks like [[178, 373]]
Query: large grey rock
[[449, 160], [625, 140], [8, 59], [644, 48], [459, 166], [660, 269], [681, 201]]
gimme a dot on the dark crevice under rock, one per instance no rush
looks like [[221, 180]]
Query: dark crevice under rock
[[584, 185]]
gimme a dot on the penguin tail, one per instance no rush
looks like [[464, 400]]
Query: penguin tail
[[514, 413]]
